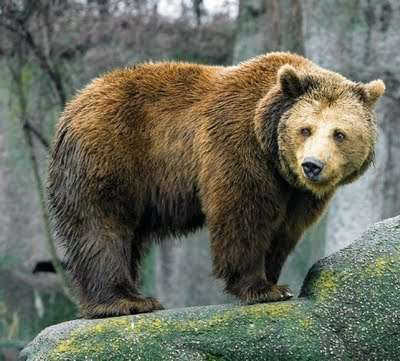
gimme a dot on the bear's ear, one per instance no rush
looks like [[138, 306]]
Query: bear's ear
[[374, 90], [292, 83], [371, 92]]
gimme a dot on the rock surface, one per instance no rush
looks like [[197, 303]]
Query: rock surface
[[348, 310]]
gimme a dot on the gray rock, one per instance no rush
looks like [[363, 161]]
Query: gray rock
[[348, 310]]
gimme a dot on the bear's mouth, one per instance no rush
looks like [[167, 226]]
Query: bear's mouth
[[313, 178], [319, 185], [319, 180]]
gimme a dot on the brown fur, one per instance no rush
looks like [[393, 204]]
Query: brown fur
[[157, 150]]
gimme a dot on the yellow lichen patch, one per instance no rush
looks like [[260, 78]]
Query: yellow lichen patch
[[66, 346], [110, 324], [380, 265], [190, 325], [219, 319], [325, 284], [271, 309], [150, 325], [146, 326], [200, 325], [306, 322], [99, 327], [74, 345]]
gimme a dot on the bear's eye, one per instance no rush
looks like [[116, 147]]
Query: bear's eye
[[339, 136], [305, 132]]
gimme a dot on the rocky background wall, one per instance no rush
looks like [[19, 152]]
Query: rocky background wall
[[49, 49]]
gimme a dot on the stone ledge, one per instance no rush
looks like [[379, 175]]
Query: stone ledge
[[348, 309]]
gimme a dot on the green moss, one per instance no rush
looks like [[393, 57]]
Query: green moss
[[325, 285], [114, 335]]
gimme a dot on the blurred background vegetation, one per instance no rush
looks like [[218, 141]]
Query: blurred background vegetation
[[51, 48]]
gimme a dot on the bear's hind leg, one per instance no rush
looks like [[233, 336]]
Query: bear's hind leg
[[104, 266], [120, 307]]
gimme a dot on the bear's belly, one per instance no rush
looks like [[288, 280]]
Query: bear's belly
[[171, 217]]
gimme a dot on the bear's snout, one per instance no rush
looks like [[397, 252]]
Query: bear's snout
[[312, 168]]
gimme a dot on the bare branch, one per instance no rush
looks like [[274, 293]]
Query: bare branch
[[39, 136], [45, 65], [25, 35]]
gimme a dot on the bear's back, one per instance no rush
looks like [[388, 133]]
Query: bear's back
[[149, 114]]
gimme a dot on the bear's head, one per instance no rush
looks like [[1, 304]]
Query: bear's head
[[319, 127]]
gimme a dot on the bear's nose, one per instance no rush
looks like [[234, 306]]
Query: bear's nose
[[312, 167]]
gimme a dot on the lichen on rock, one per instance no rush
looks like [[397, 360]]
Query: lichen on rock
[[348, 309]]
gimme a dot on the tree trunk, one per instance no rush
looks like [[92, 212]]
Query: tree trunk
[[28, 302], [268, 25], [360, 39], [17, 75]]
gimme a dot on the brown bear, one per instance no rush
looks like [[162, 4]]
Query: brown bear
[[253, 151]]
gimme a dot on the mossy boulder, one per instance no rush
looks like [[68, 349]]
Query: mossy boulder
[[348, 309]]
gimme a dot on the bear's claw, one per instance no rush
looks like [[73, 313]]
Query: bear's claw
[[121, 307], [267, 293]]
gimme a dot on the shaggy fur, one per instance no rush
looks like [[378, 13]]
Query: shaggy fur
[[159, 150]]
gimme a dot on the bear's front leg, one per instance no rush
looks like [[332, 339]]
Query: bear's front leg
[[241, 220], [281, 246]]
